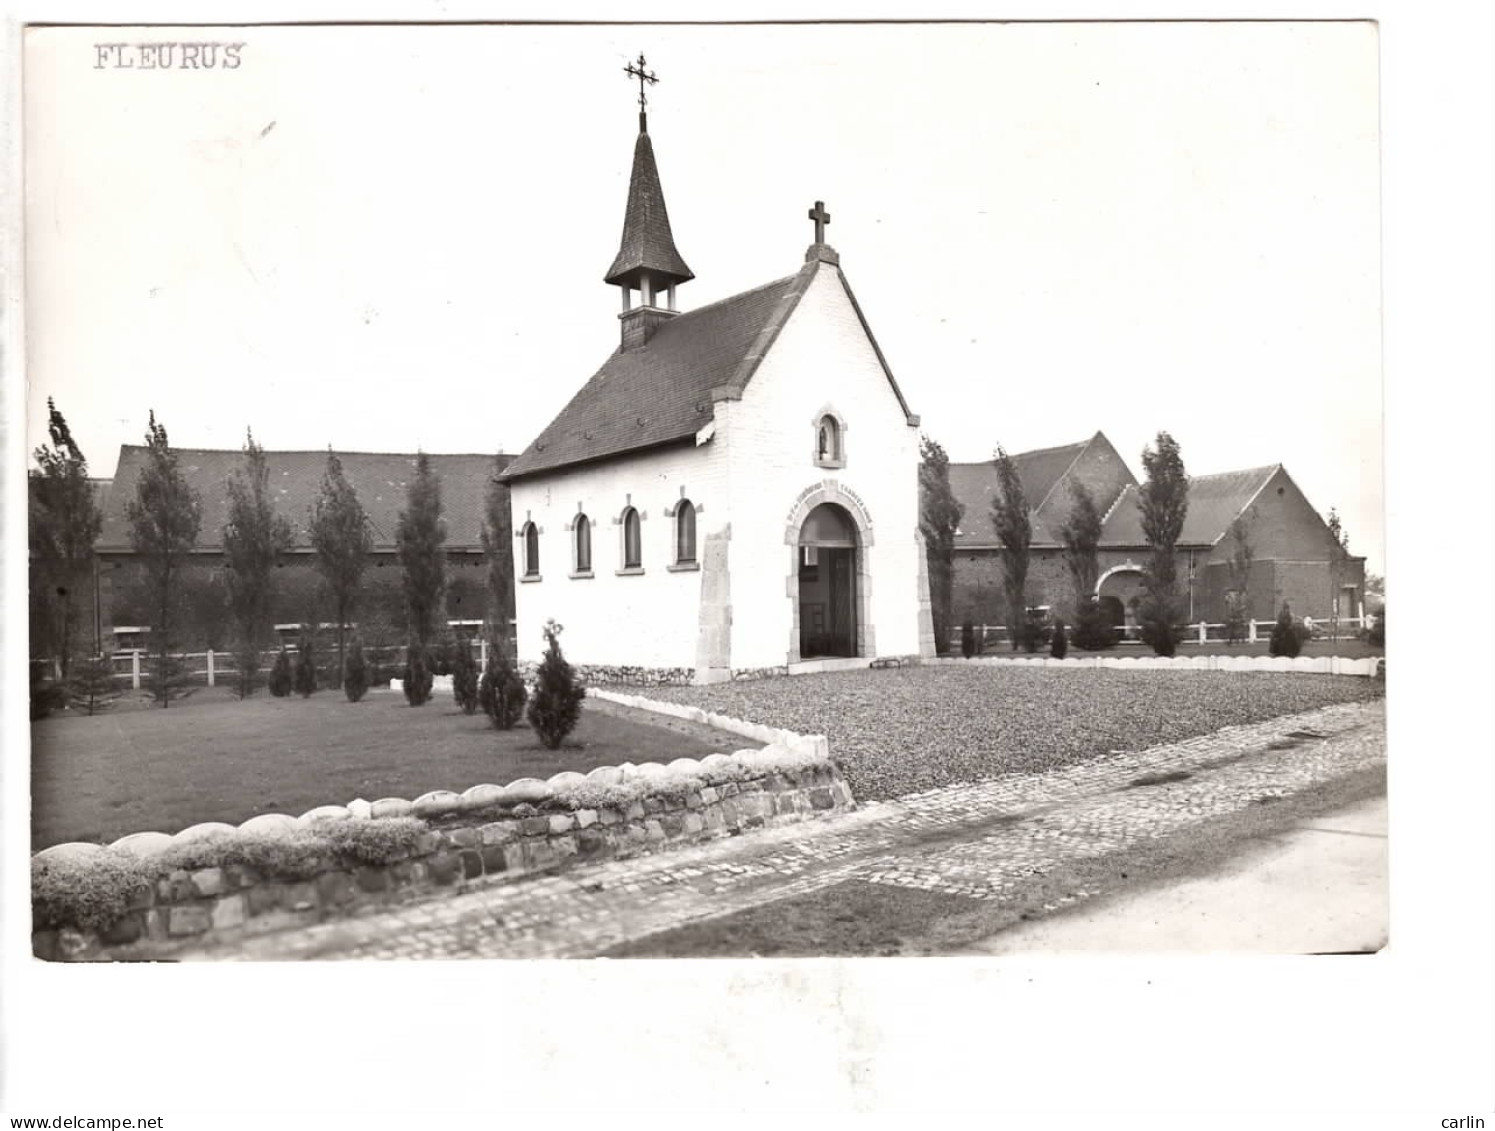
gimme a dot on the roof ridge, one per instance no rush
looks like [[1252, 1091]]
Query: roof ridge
[[1250, 502], [1084, 447], [732, 298], [322, 452], [1105, 518]]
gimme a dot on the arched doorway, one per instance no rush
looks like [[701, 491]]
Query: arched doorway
[[827, 573], [1120, 591]]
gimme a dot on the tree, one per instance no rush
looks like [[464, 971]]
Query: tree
[[356, 674], [421, 540], [165, 517], [555, 708], [92, 687], [253, 539], [498, 548], [939, 521], [341, 538], [1163, 501], [64, 523], [1238, 571], [464, 677], [306, 666], [1339, 567], [1081, 537], [1014, 525], [501, 692], [281, 679]]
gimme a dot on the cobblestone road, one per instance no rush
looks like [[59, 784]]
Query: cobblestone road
[[980, 841]]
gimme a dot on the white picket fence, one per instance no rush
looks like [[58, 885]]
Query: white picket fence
[[133, 664], [1203, 632]]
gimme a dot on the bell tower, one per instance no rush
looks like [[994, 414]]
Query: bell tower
[[647, 261]]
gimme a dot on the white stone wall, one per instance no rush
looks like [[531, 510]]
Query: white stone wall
[[643, 620], [821, 359]]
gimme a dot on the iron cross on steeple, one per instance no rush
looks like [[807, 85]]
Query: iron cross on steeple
[[821, 218], [643, 76]]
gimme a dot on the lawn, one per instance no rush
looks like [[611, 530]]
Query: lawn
[[905, 730], [209, 757]]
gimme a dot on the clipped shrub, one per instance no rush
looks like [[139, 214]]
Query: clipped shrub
[[88, 893], [464, 677], [968, 640], [1092, 632], [1034, 632], [1377, 634], [306, 668], [1059, 641], [355, 672], [280, 674], [1287, 637], [418, 676], [501, 692], [93, 891], [555, 708], [91, 686], [1158, 618]]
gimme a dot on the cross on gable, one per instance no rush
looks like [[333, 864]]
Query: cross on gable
[[821, 218], [643, 76]]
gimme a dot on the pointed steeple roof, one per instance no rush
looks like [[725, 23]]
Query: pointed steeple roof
[[647, 244]]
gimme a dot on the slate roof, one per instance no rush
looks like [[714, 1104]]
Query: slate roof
[[380, 479], [1040, 472], [647, 243], [1214, 503], [661, 391]]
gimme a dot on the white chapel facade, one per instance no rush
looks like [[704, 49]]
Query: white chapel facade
[[735, 491]]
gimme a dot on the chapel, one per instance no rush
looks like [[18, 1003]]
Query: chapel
[[734, 492]]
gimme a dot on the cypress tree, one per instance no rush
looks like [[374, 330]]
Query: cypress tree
[[1163, 501], [555, 707], [253, 540], [1009, 514], [342, 540], [165, 518], [939, 519]]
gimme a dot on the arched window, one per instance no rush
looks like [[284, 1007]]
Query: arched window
[[633, 550], [685, 532], [583, 530], [531, 550]]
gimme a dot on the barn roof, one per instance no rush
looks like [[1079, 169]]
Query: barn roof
[[1214, 503], [379, 478], [1040, 472]]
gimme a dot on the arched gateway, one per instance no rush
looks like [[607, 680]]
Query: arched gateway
[[827, 574]]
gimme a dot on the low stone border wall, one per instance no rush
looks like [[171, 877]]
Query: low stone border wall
[[1369, 667], [756, 731], [439, 842]]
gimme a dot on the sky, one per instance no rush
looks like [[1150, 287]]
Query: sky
[[391, 238]]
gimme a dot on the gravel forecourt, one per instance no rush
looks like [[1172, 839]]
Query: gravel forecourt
[[904, 730]]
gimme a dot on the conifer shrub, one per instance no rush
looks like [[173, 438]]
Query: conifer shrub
[[167, 678], [1092, 632], [280, 674], [246, 670], [1287, 639], [1059, 641], [501, 692], [1377, 634], [555, 708], [418, 675], [91, 686], [464, 677], [1158, 614], [306, 668], [968, 640], [1034, 632], [355, 672]]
